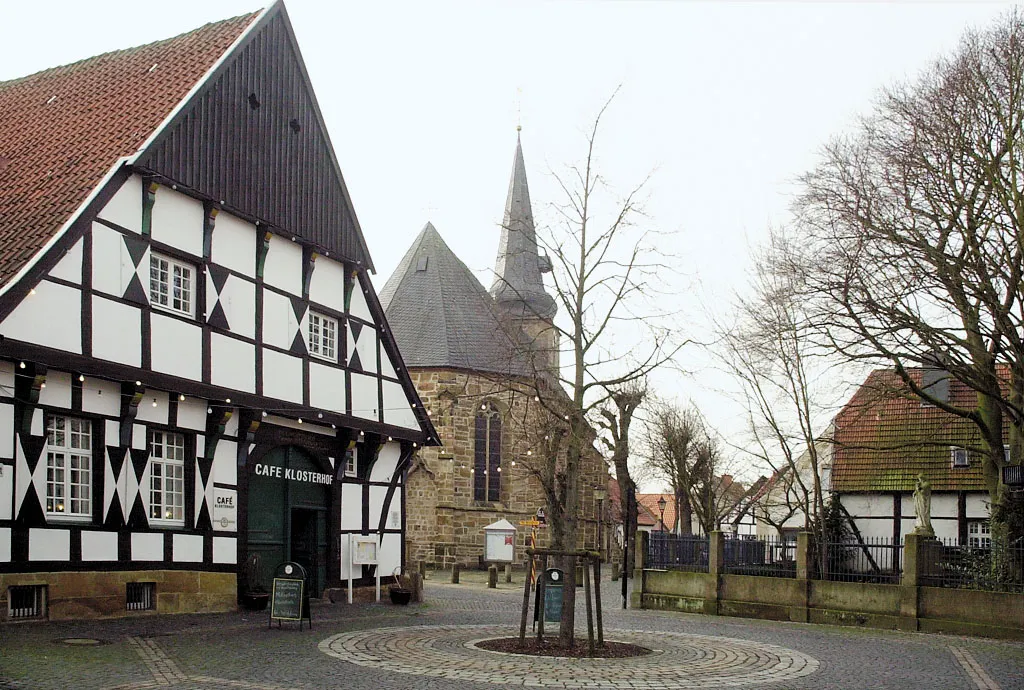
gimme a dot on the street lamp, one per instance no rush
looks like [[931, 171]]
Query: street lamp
[[661, 506], [600, 493]]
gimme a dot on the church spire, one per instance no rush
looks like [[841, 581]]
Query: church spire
[[518, 287]]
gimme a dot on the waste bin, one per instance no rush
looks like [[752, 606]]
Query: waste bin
[[554, 580]]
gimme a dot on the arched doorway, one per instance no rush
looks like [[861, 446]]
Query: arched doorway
[[288, 507]]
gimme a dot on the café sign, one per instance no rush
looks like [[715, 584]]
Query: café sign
[[293, 474]]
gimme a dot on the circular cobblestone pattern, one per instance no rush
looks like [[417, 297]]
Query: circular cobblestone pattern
[[678, 660]]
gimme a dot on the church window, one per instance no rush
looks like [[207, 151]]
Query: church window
[[171, 285], [323, 336], [166, 477], [487, 455], [68, 467]]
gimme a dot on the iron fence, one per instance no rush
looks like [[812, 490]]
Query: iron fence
[[667, 551], [985, 566], [761, 556], [872, 559]]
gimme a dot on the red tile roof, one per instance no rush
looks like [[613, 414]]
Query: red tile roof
[[64, 128], [885, 437]]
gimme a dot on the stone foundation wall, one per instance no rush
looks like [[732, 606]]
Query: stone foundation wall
[[101, 594]]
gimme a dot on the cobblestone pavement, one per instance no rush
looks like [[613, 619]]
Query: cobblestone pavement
[[429, 646]]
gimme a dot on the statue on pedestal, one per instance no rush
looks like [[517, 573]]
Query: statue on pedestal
[[923, 507]]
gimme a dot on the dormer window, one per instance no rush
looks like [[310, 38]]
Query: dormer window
[[959, 457], [172, 285]]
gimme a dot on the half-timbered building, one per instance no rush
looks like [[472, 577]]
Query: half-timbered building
[[196, 378]]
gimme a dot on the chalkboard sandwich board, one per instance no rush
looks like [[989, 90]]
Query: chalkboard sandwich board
[[286, 599]]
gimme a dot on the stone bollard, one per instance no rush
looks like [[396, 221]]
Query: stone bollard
[[615, 571], [422, 568], [416, 581], [455, 573], [492, 577], [508, 572]]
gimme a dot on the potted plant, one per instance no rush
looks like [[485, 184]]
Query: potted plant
[[399, 594], [254, 595]]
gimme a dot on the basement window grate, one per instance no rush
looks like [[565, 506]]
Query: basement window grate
[[26, 601], [141, 596]]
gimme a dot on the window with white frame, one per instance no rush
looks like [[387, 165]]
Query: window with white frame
[[979, 534], [323, 336], [959, 458], [350, 463], [68, 467], [172, 284], [166, 477]]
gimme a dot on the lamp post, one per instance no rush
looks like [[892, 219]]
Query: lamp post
[[661, 506], [600, 493]]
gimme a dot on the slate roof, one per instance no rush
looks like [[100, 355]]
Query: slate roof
[[885, 437], [65, 127], [518, 286], [441, 316]]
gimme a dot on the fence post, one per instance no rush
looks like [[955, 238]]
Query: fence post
[[801, 612], [716, 565], [640, 547], [909, 583]]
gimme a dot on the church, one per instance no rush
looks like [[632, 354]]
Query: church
[[197, 381], [474, 356]]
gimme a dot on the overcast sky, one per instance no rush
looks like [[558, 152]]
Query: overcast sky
[[726, 102]]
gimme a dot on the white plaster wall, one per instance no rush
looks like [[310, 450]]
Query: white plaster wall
[[351, 506], [386, 366], [178, 221], [49, 544], [99, 546], [283, 267], [125, 207], [875, 529], [112, 266], [327, 287], [7, 374], [326, 387], [234, 244], [225, 463], [377, 494], [367, 349], [101, 397], [397, 409], [58, 390], [177, 347], [238, 299], [867, 505], [232, 363], [279, 324], [116, 332], [5, 544], [390, 558], [192, 413], [224, 550], [387, 460], [358, 306], [69, 268], [977, 505], [364, 397], [282, 376], [187, 548], [147, 546], [52, 317], [6, 492], [149, 413]]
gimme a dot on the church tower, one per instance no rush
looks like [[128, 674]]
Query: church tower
[[518, 287]]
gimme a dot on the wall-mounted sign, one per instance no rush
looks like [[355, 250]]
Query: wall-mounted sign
[[277, 472], [225, 509], [364, 551]]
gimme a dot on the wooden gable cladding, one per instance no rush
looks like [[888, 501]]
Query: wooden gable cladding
[[253, 137]]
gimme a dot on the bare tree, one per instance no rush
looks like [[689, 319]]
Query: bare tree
[[616, 420], [673, 434], [913, 228]]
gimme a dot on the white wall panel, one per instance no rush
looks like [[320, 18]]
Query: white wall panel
[[283, 267], [387, 461], [111, 432], [234, 244], [61, 328], [99, 546], [49, 544], [351, 506], [125, 207], [386, 367], [69, 267], [327, 387], [232, 363], [5, 544], [57, 392], [364, 397], [112, 266], [177, 347], [397, 409], [978, 505], [192, 413], [390, 558], [101, 397], [279, 324], [139, 442], [178, 221], [6, 492], [116, 332], [147, 546], [225, 463], [282, 376], [377, 494], [238, 299], [150, 413], [358, 307], [6, 431], [327, 286], [187, 548], [37, 422], [7, 374], [224, 550], [366, 346], [231, 428]]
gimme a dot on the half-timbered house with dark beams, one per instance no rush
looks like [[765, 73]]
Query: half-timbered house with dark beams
[[196, 378]]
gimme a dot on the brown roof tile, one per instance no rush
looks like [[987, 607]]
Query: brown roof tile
[[885, 437], [64, 128]]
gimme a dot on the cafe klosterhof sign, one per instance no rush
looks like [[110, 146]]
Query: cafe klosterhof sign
[[308, 476]]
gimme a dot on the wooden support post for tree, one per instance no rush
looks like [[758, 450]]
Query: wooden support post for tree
[[526, 601], [540, 598], [597, 602], [590, 609]]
